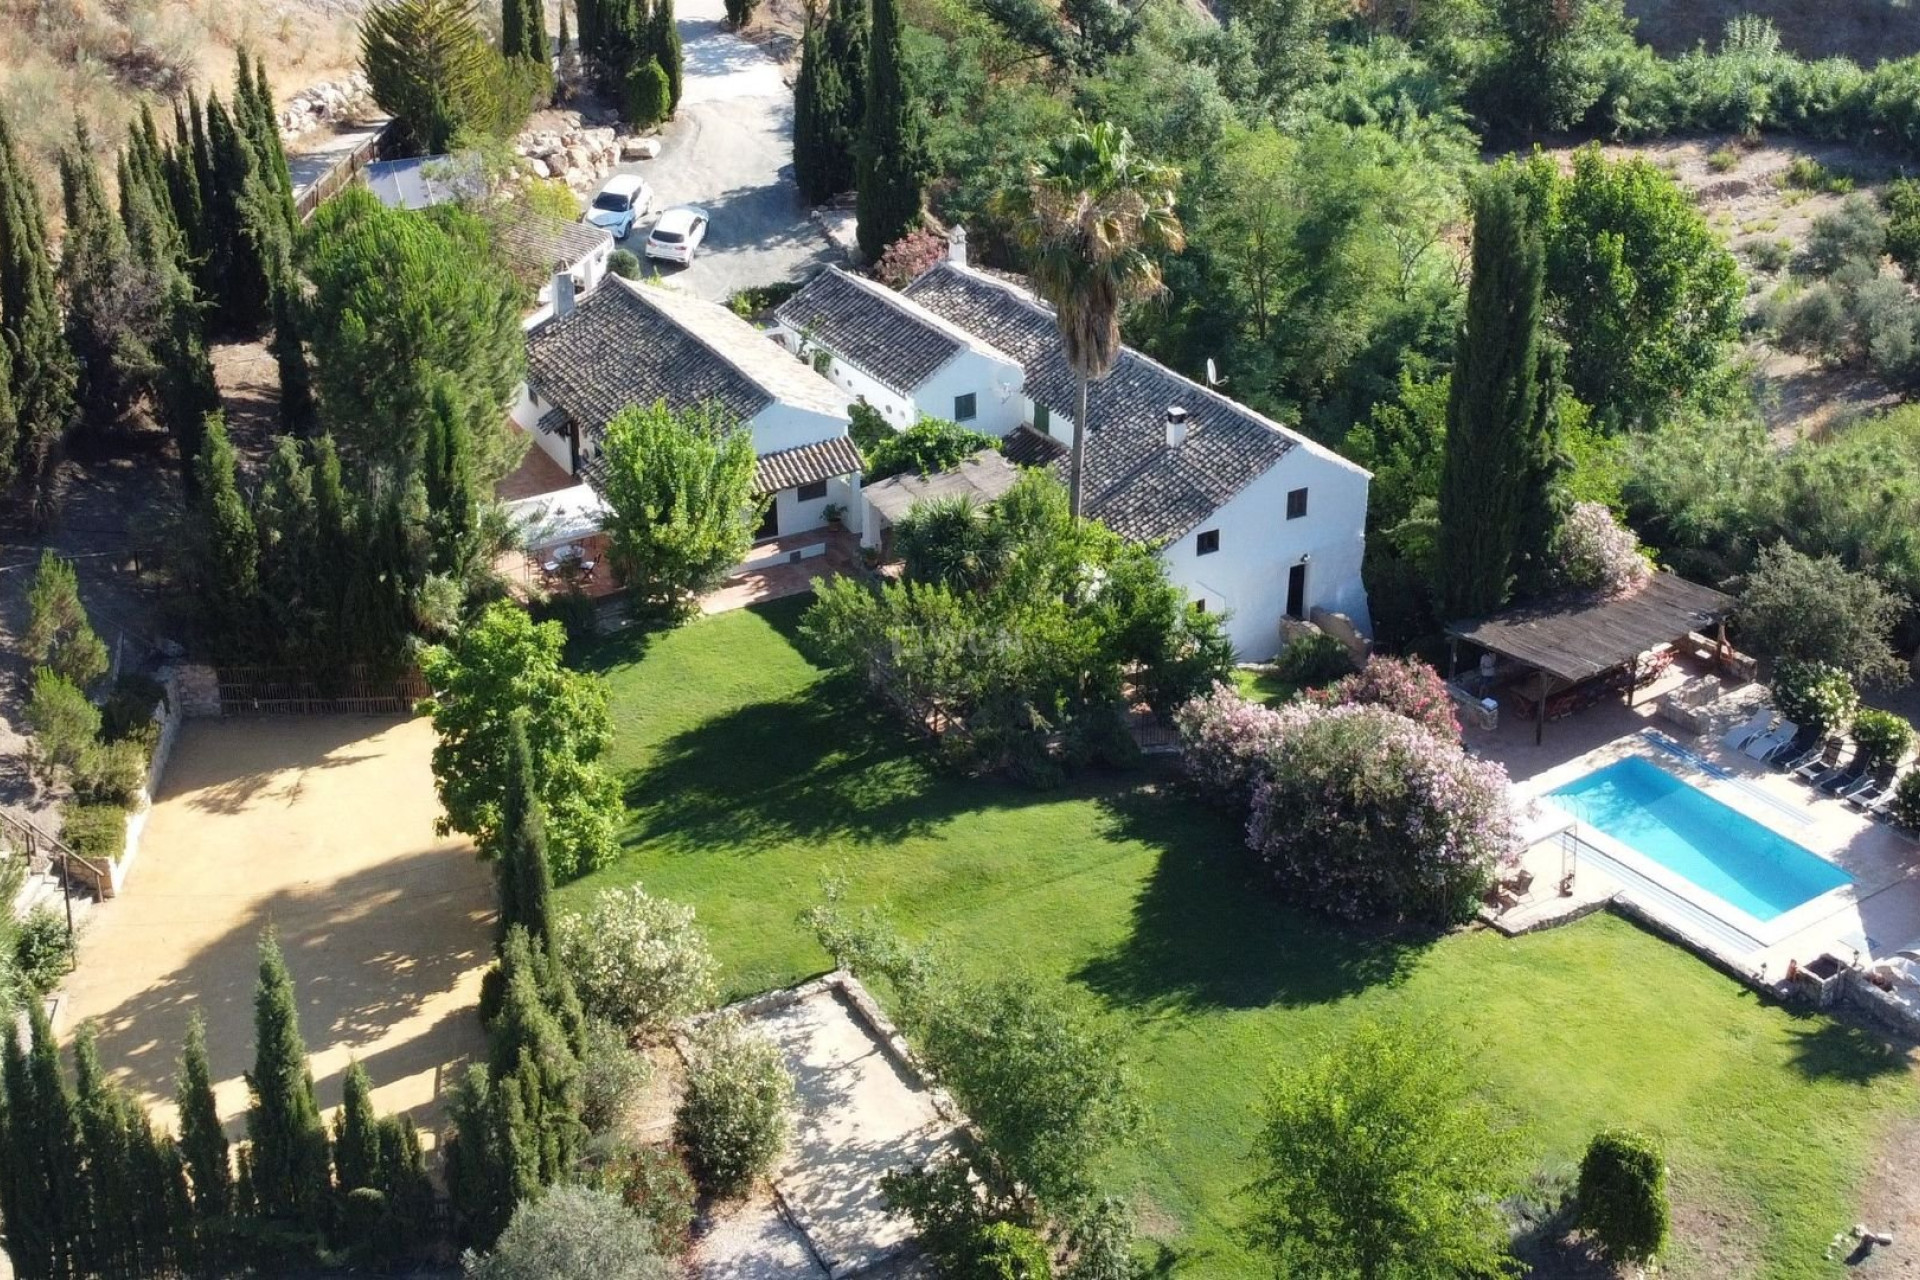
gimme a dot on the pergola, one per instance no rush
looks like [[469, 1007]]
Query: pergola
[[1567, 641]]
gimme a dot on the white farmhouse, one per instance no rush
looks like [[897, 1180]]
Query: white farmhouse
[[629, 344], [1250, 518]]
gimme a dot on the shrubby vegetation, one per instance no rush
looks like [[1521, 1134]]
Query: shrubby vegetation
[[1018, 637], [930, 445], [1404, 686], [1801, 608], [639, 962], [1623, 1194], [572, 1231], [734, 1118], [1817, 696]]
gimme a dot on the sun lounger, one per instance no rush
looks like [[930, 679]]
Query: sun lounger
[[1822, 778], [1768, 743], [1846, 779], [1804, 747], [1829, 757], [1740, 735], [1872, 790]]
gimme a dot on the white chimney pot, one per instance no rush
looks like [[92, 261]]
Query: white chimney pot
[[562, 294], [957, 246], [1176, 426]]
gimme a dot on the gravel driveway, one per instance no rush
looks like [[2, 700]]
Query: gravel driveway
[[730, 151]]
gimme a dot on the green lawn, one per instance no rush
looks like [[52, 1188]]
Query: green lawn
[[752, 776]]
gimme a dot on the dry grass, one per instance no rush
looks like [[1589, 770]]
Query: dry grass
[[98, 59]]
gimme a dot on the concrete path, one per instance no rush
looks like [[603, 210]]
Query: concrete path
[[323, 826], [730, 151]]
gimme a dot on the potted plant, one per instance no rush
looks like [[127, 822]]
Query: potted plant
[[834, 513]]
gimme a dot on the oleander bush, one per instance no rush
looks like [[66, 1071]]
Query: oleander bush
[[735, 1117], [1407, 686], [1229, 741], [1593, 551], [637, 962], [571, 1231], [1905, 805]]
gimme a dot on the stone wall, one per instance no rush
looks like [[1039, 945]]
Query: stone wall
[[193, 688]]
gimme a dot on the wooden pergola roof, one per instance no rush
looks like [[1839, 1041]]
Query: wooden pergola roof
[[1576, 639]]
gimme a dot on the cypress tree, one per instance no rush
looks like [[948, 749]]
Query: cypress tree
[[566, 38], [447, 470], [525, 881], [113, 304], [42, 373], [356, 1135], [106, 1135], [45, 1233], [513, 29], [847, 39], [183, 193], [812, 125], [663, 44], [185, 389], [230, 550], [287, 1140], [243, 300], [203, 1139], [263, 131], [893, 160], [531, 1044], [1497, 411], [492, 1163]]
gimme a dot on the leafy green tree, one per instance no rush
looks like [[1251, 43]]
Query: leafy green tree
[[405, 311], [58, 632], [42, 373], [893, 162], [573, 1231], [1641, 289], [1802, 608], [679, 487], [500, 662], [1498, 453], [1374, 1160], [65, 725], [1550, 63], [287, 1152], [1623, 1194], [203, 1139], [1090, 217]]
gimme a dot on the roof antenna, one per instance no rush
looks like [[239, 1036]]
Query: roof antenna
[[1213, 375]]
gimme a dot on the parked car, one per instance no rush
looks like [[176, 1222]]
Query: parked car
[[624, 199], [677, 234]]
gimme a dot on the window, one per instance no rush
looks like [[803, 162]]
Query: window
[[1199, 606], [1296, 504], [1207, 543], [965, 408], [811, 492], [1042, 418]]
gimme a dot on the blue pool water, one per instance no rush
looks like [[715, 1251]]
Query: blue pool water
[[1693, 835]]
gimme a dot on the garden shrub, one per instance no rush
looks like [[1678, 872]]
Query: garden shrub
[[1007, 1251], [654, 1183], [1902, 199], [944, 1205], [1101, 1235], [624, 263], [111, 773], [1313, 659], [756, 301], [637, 961], [1883, 737], [867, 428], [1812, 321], [648, 95], [97, 832], [928, 446], [1855, 232], [1905, 805], [1229, 742], [1623, 1194], [42, 952], [65, 725], [1366, 814], [1406, 686], [736, 1117], [571, 1231], [1797, 607], [611, 1076], [1768, 255], [1593, 551], [127, 714], [1815, 695]]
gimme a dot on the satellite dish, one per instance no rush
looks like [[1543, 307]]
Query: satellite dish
[[1213, 375]]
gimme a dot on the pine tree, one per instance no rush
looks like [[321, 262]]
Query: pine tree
[[203, 1139], [230, 555], [42, 374], [288, 1142], [663, 44], [356, 1135], [525, 881], [1498, 413], [893, 160]]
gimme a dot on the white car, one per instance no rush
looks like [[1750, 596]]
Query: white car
[[625, 199], [677, 234]]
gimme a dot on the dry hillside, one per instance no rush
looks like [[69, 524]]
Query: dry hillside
[[1864, 30]]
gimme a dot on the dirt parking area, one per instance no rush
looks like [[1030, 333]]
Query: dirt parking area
[[323, 827]]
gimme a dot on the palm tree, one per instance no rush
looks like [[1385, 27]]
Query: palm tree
[[1090, 212]]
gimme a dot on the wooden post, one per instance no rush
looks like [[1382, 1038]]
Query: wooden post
[[1540, 713], [1453, 657]]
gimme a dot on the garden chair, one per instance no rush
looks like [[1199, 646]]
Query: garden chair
[[1827, 768], [1867, 789], [1827, 757], [1846, 779], [1796, 750], [1768, 743], [1755, 725]]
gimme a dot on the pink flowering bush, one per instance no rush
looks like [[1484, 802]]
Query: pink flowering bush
[[1595, 552], [910, 257], [1363, 813], [1229, 741], [1406, 685]]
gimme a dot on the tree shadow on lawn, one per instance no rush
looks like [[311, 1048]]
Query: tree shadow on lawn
[[1827, 1048], [1207, 932]]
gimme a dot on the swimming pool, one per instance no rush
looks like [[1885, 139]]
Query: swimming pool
[[1694, 836]]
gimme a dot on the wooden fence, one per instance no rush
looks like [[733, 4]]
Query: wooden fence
[[344, 171], [290, 691]]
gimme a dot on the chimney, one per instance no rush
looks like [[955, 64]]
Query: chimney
[[957, 246], [562, 294], [1176, 426]]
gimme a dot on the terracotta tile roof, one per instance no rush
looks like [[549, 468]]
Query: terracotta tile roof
[[552, 422], [806, 464], [1029, 448], [545, 245], [1136, 484]]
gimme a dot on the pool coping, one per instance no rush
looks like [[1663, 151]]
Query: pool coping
[[1719, 784]]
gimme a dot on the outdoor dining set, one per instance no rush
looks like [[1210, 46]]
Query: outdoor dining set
[[567, 561]]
